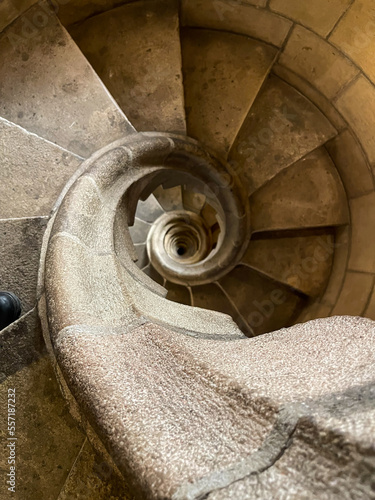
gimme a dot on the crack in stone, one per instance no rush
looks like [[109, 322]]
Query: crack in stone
[[278, 440], [265, 457]]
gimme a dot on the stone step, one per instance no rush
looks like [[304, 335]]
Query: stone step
[[308, 194], [301, 262], [264, 304], [282, 127], [48, 87], [223, 74], [178, 293], [135, 49], [215, 298], [33, 172], [93, 477]]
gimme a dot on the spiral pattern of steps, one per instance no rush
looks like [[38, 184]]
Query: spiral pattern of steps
[[204, 173]]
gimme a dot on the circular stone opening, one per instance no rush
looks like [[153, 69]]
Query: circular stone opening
[[187, 242], [178, 245], [189, 228]]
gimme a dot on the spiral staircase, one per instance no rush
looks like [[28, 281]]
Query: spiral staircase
[[187, 210]]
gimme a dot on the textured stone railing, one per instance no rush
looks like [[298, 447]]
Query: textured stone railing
[[185, 404]]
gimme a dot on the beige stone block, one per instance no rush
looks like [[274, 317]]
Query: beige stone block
[[303, 263], [319, 15], [351, 163], [32, 172], [274, 134], [135, 50], [354, 294], [355, 35], [315, 96], [362, 254], [48, 87], [315, 60], [217, 103], [357, 105], [236, 17], [306, 194]]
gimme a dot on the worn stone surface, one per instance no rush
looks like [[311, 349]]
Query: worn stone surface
[[321, 15], [52, 77], [352, 164], [370, 309], [305, 195], [282, 127], [137, 56], [223, 74], [318, 463], [299, 370], [91, 281], [203, 446], [178, 293], [214, 297], [338, 270], [357, 104], [11, 9], [21, 343], [314, 59], [48, 440], [75, 11], [33, 172], [354, 35], [355, 294], [316, 97], [93, 478], [262, 304], [237, 18], [20, 244], [362, 256], [301, 262]]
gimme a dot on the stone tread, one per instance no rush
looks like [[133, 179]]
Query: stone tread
[[223, 74], [48, 87], [281, 128], [33, 172], [135, 50]]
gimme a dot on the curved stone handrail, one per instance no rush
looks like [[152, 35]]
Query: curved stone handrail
[[185, 404]]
